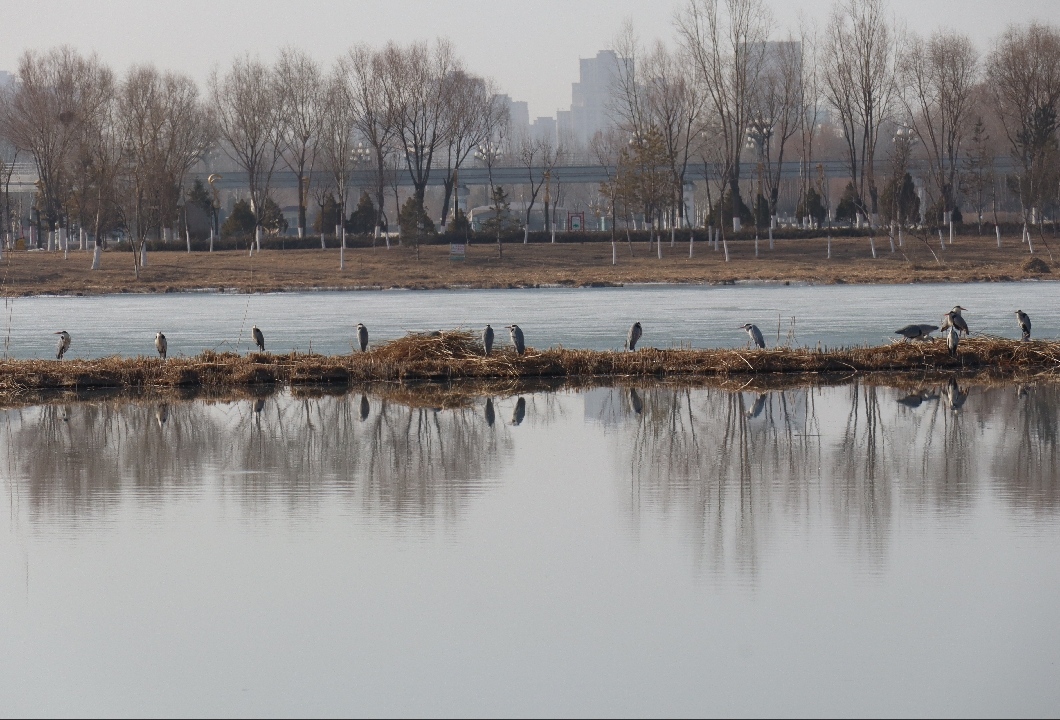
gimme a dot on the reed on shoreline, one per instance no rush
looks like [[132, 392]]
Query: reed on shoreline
[[457, 355]]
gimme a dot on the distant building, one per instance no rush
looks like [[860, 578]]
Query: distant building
[[518, 115], [594, 93]]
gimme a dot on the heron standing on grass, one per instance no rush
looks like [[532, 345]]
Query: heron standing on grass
[[634, 335], [259, 338], [487, 340], [954, 318], [1024, 321], [64, 344], [161, 345], [362, 337], [953, 338], [517, 338], [755, 334], [916, 332]]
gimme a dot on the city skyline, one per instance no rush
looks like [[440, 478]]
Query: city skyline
[[536, 66]]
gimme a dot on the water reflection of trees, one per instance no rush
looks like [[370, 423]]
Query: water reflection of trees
[[738, 465], [386, 457]]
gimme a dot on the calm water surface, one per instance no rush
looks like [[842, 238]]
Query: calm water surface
[[696, 316], [675, 551]]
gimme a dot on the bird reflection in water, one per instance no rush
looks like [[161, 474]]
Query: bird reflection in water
[[259, 405], [519, 414], [915, 400], [491, 415], [955, 397], [365, 408], [162, 414], [635, 403], [760, 402]]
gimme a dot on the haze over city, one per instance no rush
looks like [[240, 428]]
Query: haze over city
[[531, 49]]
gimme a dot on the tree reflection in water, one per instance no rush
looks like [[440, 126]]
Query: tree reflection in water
[[389, 458], [738, 466]]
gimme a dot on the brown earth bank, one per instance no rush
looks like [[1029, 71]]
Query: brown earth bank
[[457, 356], [970, 258]]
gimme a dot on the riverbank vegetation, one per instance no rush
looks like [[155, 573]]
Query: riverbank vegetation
[[457, 355]]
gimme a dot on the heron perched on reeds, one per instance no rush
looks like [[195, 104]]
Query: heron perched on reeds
[[517, 338], [916, 332], [953, 338], [362, 337], [635, 331], [161, 344], [1024, 322], [259, 338], [63, 345], [487, 339], [754, 334], [954, 318]]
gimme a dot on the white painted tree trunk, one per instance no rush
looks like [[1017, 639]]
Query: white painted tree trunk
[[872, 246], [673, 238], [725, 246], [614, 253], [97, 257], [691, 242], [143, 255], [942, 243], [771, 234], [1030, 245], [257, 238], [301, 232], [51, 240], [997, 229], [211, 239], [829, 247], [736, 224], [899, 236], [756, 244], [658, 248], [187, 239], [342, 250], [951, 231], [890, 238]]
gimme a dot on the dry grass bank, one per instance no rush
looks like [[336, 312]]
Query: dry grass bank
[[970, 258], [457, 356]]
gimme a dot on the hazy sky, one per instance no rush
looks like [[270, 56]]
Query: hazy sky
[[531, 48]]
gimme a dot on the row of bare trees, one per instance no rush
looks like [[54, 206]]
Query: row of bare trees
[[114, 153], [725, 91]]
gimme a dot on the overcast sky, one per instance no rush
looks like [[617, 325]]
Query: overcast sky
[[531, 48]]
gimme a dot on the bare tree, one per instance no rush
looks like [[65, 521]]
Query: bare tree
[[474, 111], [248, 121], [777, 114], [860, 58], [1023, 74], [941, 74], [375, 119], [301, 114], [536, 153], [336, 143], [726, 41], [58, 91], [416, 90]]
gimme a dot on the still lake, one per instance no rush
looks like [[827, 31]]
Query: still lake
[[832, 550], [693, 315]]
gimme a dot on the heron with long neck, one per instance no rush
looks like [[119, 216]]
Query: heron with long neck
[[362, 337], [635, 332], [161, 344], [487, 340], [63, 345], [517, 338], [259, 338], [1024, 321], [754, 334]]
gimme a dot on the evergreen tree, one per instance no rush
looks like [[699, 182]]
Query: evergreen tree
[[362, 219], [240, 222]]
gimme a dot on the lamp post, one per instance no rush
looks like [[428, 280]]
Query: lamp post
[[759, 133]]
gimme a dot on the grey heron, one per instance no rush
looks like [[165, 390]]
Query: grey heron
[[520, 412], [954, 318], [487, 339], [64, 344], [953, 338], [259, 338], [916, 332], [161, 345], [517, 338], [635, 331], [362, 337], [755, 334], [1024, 321]]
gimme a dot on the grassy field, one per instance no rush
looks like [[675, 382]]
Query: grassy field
[[970, 258]]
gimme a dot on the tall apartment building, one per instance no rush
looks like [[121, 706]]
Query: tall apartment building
[[592, 96]]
